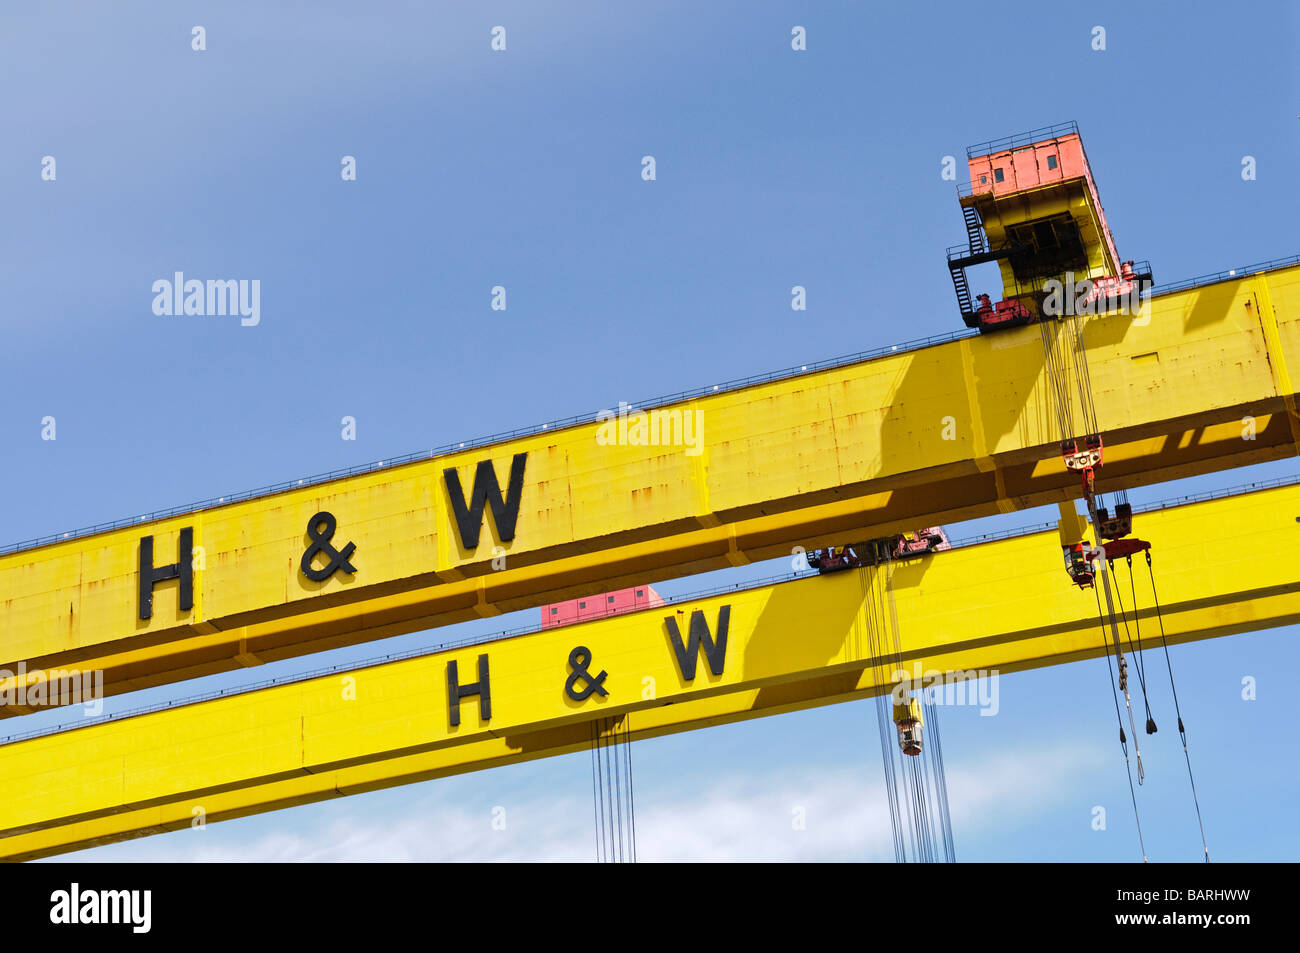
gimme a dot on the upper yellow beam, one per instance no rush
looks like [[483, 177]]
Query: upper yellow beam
[[944, 433], [1222, 566]]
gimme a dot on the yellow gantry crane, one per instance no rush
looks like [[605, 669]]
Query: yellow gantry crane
[[1189, 381]]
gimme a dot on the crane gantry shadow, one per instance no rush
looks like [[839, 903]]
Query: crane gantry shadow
[[838, 639]]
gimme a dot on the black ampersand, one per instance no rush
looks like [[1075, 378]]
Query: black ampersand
[[338, 559], [579, 659]]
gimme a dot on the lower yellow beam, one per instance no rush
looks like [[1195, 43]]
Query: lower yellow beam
[[1223, 566]]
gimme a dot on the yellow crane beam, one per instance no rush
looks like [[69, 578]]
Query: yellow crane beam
[[1199, 382], [1223, 566]]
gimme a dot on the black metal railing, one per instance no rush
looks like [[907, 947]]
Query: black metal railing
[[592, 417], [1234, 490], [955, 252], [1208, 495], [1232, 274], [1022, 139], [418, 652]]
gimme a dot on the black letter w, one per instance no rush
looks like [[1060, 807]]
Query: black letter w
[[689, 655], [469, 520]]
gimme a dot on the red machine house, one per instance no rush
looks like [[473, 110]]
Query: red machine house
[[599, 606], [1032, 206]]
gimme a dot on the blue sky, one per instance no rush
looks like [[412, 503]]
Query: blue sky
[[522, 168]]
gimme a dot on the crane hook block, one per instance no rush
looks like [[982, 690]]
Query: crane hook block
[[907, 716]]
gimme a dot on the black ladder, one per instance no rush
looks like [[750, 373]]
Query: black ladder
[[974, 229], [963, 293]]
